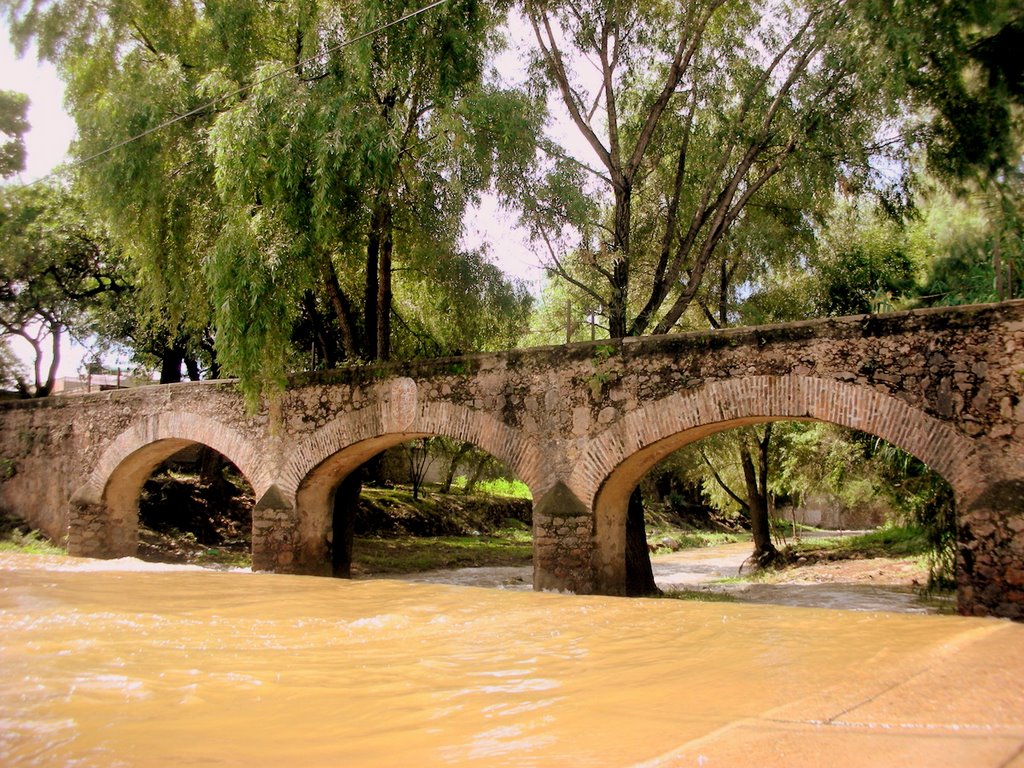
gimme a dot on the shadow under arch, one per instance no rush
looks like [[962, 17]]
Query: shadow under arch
[[617, 460], [327, 458], [104, 514]]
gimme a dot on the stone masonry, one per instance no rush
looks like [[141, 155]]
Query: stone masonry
[[579, 424]]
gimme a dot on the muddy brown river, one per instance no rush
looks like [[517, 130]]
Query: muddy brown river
[[125, 664]]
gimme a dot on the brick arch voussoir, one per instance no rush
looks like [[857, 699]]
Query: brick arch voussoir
[[442, 419], [178, 425], [767, 398]]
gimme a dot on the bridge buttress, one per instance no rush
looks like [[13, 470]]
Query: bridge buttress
[[94, 532], [990, 543], [563, 542], [278, 541]]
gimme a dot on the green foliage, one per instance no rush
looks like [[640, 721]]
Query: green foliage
[[890, 541], [304, 167], [823, 458], [11, 368], [699, 595], [976, 246], [452, 302], [499, 486], [691, 539], [960, 60], [17, 536], [922, 499], [416, 554], [13, 126], [54, 265], [864, 264], [565, 314], [31, 543]]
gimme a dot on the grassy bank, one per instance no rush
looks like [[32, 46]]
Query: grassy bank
[[16, 536], [891, 541], [413, 554]]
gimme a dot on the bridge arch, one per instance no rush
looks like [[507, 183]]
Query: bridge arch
[[319, 464], [104, 512], [617, 460]]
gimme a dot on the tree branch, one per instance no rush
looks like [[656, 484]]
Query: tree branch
[[714, 473]]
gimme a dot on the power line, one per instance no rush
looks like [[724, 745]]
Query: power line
[[223, 97]]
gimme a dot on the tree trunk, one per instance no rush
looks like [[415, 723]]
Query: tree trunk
[[377, 309], [465, 448], [343, 310], [618, 310], [320, 331], [170, 364], [43, 389], [723, 295], [757, 501], [211, 465], [639, 574], [346, 499], [478, 471], [419, 460]]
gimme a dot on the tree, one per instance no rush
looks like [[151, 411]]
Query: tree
[[864, 262], [299, 160], [694, 112], [53, 264], [743, 459], [13, 126], [418, 453], [960, 61], [974, 246], [12, 371]]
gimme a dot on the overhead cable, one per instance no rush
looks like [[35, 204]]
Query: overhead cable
[[261, 81]]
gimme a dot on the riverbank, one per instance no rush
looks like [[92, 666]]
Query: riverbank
[[690, 565], [713, 574]]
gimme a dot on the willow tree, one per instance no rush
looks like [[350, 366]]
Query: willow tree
[[130, 66], [694, 110], [314, 147]]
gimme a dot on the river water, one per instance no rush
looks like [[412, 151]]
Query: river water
[[126, 664]]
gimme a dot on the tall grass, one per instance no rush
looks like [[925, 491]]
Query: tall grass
[[31, 543]]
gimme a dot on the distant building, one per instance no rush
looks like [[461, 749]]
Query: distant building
[[97, 382]]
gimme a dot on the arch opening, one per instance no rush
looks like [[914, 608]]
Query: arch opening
[[771, 477], [412, 501], [179, 500]]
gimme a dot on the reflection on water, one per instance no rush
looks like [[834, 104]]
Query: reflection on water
[[128, 665]]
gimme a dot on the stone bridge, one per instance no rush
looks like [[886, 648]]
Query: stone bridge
[[579, 424]]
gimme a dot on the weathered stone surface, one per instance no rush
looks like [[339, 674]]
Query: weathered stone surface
[[947, 385]]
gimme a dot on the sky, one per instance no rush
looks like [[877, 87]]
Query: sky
[[52, 131]]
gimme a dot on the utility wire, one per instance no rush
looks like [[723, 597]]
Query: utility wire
[[223, 97]]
